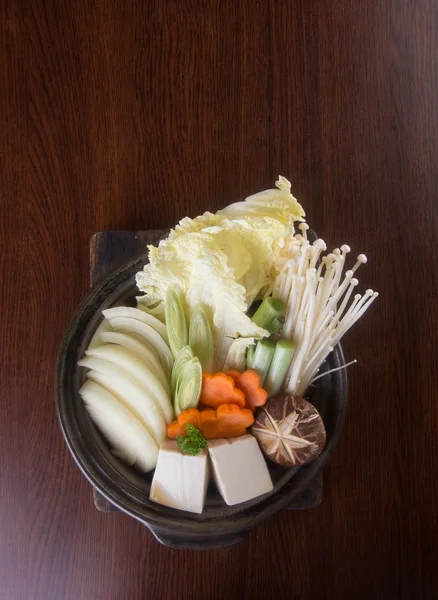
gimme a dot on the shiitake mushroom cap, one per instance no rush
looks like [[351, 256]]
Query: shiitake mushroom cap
[[289, 430]]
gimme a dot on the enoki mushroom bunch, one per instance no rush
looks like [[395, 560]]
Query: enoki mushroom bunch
[[319, 308]]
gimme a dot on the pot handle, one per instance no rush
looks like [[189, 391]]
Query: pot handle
[[195, 541], [102, 504], [310, 498], [173, 540]]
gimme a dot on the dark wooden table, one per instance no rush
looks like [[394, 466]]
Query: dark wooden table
[[130, 115]]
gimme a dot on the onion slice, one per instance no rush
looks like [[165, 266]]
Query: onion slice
[[128, 361], [129, 391], [129, 439]]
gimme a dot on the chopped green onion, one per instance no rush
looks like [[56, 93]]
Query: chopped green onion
[[250, 353], [175, 321], [201, 338], [188, 386], [277, 324], [284, 351], [269, 314], [183, 356], [262, 358]]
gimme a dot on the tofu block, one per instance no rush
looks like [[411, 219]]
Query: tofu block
[[239, 469], [180, 481]]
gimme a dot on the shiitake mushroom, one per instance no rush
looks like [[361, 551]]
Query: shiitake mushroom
[[290, 431]]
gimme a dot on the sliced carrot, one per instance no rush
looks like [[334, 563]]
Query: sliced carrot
[[234, 374], [190, 415], [216, 431], [232, 413], [176, 428], [206, 416], [249, 383], [227, 421], [220, 389], [231, 421]]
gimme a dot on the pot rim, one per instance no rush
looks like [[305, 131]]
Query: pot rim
[[96, 475]]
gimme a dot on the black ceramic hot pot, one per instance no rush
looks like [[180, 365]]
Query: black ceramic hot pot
[[219, 525]]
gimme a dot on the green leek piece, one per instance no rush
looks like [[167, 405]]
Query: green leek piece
[[250, 353], [183, 356], [284, 351], [263, 357], [188, 386], [269, 314], [201, 338], [175, 321]]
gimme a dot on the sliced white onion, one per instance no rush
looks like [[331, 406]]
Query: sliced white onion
[[104, 327], [147, 332], [128, 390], [140, 315], [130, 440], [142, 350], [129, 362]]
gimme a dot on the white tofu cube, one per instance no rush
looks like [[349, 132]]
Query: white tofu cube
[[180, 481], [239, 469]]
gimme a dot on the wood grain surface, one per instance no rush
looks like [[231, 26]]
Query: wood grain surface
[[130, 115]]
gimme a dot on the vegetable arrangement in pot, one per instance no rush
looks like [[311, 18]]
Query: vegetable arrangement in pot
[[237, 312]]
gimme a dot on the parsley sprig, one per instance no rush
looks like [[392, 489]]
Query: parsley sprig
[[193, 442]]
